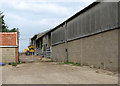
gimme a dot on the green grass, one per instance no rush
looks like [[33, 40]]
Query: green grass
[[48, 61], [22, 62], [13, 64], [69, 63], [61, 63], [75, 64]]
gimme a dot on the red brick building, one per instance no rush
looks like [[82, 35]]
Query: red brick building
[[9, 47]]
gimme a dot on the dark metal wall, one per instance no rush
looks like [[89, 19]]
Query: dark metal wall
[[101, 17], [58, 36], [119, 14]]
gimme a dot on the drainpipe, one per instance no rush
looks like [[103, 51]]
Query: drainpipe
[[66, 44], [17, 49]]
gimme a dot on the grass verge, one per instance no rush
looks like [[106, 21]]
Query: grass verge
[[75, 64]]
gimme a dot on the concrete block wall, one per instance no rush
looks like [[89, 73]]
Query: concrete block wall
[[0, 55], [110, 49], [58, 53], [100, 50], [8, 55]]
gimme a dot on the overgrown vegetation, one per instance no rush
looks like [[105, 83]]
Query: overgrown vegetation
[[49, 61], [22, 62], [13, 64], [61, 63], [75, 64], [69, 63], [3, 26]]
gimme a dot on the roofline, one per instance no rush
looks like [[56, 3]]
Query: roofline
[[77, 14], [45, 33], [33, 36]]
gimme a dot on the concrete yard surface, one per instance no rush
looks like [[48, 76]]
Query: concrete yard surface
[[54, 73]]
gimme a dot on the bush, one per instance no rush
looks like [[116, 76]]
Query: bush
[[78, 64], [69, 63], [13, 64], [22, 62]]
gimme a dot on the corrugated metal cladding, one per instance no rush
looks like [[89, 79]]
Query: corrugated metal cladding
[[101, 17], [58, 36], [119, 13]]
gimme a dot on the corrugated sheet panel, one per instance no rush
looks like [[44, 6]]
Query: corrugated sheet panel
[[58, 36], [119, 14], [103, 16]]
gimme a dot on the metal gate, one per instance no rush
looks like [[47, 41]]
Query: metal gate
[[48, 52]]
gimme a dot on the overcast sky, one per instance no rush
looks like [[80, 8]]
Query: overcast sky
[[36, 16]]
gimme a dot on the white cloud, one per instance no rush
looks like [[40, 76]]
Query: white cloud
[[87, 1], [15, 17], [34, 7], [45, 5], [19, 20], [34, 16]]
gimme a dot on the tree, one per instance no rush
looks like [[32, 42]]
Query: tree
[[13, 30], [3, 26]]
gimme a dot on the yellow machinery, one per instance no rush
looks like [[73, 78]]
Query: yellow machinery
[[30, 50]]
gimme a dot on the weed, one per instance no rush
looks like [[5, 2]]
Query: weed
[[13, 64], [22, 62], [48, 61], [77, 64], [69, 63], [60, 63]]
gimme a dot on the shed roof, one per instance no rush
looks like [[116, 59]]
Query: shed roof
[[34, 36], [39, 35], [77, 14], [69, 19]]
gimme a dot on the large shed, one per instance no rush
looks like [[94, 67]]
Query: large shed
[[89, 37]]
